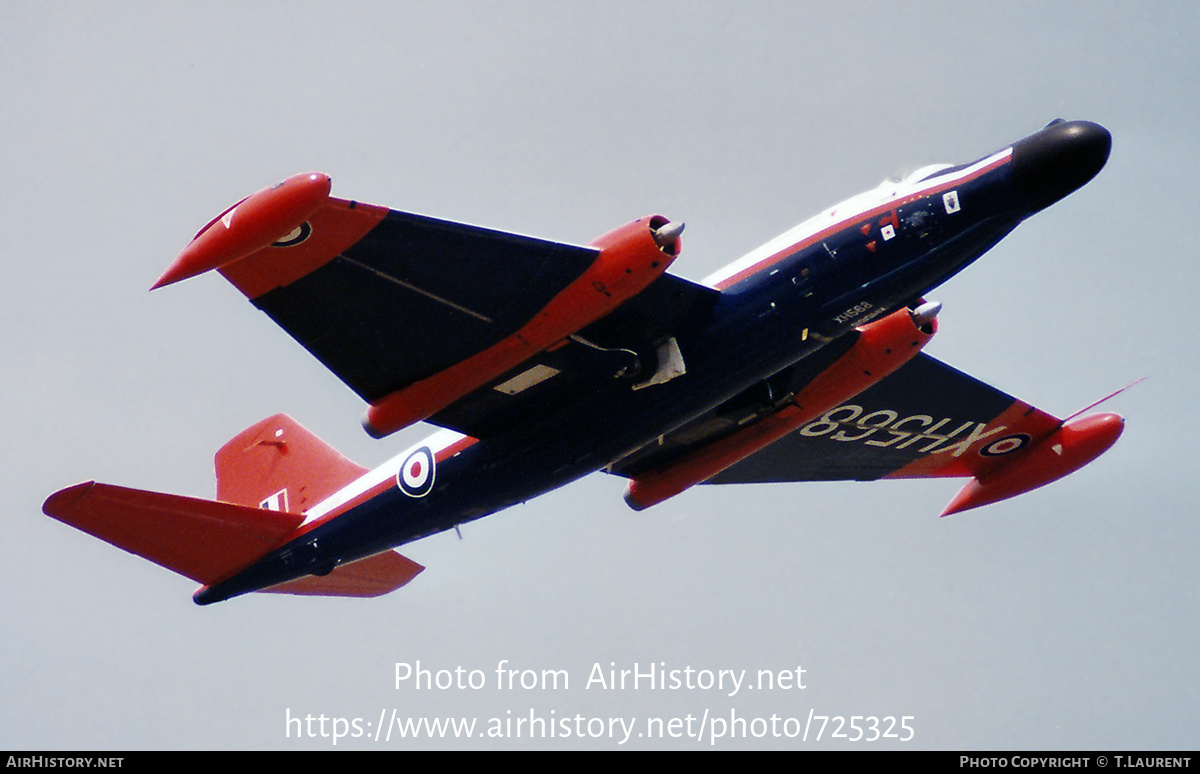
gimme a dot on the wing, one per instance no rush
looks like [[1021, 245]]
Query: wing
[[429, 318], [408, 298], [926, 419]]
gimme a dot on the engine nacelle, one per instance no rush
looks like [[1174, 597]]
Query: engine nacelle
[[631, 257], [882, 347]]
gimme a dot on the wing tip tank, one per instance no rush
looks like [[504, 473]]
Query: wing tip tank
[[249, 226], [1073, 445], [59, 504]]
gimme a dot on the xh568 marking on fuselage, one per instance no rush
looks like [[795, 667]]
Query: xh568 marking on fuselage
[[543, 362]]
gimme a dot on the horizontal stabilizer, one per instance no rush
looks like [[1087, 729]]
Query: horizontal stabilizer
[[371, 577], [204, 540]]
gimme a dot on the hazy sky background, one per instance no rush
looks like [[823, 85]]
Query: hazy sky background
[[1065, 618]]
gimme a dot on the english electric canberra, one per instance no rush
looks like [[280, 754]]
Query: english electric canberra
[[542, 362]]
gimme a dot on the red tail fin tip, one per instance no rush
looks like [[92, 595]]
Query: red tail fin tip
[[278, 465]]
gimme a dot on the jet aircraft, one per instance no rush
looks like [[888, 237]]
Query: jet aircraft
[[542, 362]]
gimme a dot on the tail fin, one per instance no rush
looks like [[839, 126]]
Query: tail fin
[[278, 465]]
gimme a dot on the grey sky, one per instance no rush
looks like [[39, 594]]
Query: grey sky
[[1066, 618]]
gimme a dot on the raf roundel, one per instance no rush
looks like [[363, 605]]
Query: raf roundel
[[415, 478], [1006, 445], [295, 237]]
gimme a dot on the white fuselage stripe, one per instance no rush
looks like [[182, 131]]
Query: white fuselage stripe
[[839, 215], [442, 439]]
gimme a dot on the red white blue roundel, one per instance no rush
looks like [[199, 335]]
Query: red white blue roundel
[[1006, 445], [415, 478], [297, 235]]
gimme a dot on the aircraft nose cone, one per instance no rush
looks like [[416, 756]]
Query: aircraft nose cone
[[1059, 159]]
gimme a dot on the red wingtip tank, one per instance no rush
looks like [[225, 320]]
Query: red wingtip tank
[[1074, 444], [249, 226]]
